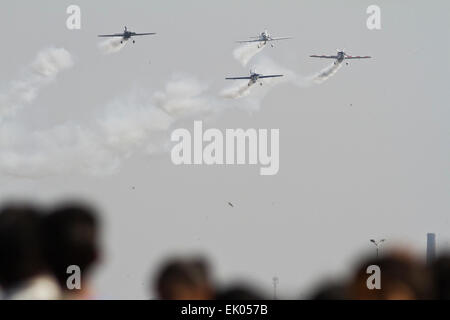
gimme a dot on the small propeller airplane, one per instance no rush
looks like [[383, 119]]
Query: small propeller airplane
[[254, 77], [340, 57], [126, 35], [263, 39]]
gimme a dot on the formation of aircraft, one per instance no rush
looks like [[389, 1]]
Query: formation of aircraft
[[254, 77], [340, 57], [126, 35], [263, 39]]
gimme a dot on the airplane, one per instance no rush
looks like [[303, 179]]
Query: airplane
[[254, 77], [340, 57], [263, 38], [126, 35]]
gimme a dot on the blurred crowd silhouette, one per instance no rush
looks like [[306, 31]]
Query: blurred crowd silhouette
[[38, 245]]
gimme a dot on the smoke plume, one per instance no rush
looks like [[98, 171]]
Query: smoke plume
[[137, 122], [246, 52], [326, 73], [41, 72], [113, 45]]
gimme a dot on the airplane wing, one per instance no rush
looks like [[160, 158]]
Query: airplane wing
[[282, 38], [238, 78], [272, 76], [324, 57], [144, 34], [111, 35], [357, 57]]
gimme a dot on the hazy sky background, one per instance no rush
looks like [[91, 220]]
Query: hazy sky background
[[364, 155]]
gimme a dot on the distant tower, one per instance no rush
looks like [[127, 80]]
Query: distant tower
[[275, 285], [431, 248]]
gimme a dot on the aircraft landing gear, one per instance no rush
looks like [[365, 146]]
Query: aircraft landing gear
[[134, 41]]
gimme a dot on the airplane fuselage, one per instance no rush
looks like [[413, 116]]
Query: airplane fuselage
[[340, 56], [264, 37], [127, 35], [254, 78]]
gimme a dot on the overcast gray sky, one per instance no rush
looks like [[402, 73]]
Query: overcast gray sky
[[365, 154]]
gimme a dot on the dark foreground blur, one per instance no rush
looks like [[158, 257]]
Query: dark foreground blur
[[49, 253]]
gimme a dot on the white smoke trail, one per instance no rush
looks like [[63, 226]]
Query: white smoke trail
[[62, 149], [246, 52], [236, 91], [138, 122], [51, 61], [268, 66], [42, 71], [110, 46], [326, 73]]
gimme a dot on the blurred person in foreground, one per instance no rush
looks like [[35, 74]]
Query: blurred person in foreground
[[403, 277], [441, 277], [329, 290], [184, 279], [72, 240], [24, 273], [240, 291]]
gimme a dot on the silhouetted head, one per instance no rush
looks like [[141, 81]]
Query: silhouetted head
[[21, 245], [72, 238], [240, 292], [402, 277], [330, 290], [441, 277], [184, 279]]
